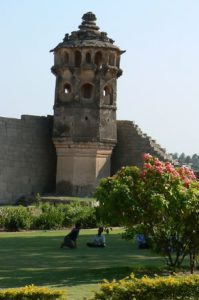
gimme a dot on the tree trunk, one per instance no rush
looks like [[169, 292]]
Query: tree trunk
[[192, 262]]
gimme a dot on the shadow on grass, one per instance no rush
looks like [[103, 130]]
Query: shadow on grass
[[35, 259]]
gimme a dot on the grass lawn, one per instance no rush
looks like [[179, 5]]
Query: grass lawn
[[35, 258]]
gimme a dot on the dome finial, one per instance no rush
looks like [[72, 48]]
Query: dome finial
[[89, 16], [88, 22]]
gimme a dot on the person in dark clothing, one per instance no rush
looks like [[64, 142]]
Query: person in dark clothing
[[70, 239]]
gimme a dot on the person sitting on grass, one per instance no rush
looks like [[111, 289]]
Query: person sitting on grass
[[142, 244], [99, 240], [71, 238]]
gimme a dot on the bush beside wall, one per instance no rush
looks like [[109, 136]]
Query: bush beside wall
[[47, 216]]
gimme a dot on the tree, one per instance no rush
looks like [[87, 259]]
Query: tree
[[159, 201], [188, 160], [174, 155], [195, 162], [182, 158]]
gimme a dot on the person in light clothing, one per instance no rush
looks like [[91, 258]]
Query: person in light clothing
[[99, 240]]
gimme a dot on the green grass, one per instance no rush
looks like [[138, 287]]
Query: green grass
[[35, 258]]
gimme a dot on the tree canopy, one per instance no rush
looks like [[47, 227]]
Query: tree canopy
[[183, 159], [160, 201]]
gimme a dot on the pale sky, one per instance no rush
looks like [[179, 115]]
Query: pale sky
[[159, 88]]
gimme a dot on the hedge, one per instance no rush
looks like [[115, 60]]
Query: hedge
[[32, 292], [164, 288], [47, 216]]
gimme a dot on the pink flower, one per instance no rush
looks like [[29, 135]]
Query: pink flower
[[170, 168], [159, 170], [175, 173], [186, 182], [143, 174], [147, 166], [186, 172], [157, 162], [146, 156]]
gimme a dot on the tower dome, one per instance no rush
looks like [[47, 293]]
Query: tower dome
[[88, 35]]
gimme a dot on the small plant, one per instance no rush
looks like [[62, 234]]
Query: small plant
[[37, 199]]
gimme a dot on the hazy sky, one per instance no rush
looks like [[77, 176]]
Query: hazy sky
[[159, 88]]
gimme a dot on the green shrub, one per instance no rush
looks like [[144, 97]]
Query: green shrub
[[2, 218], [47, 216], [16, 218], [87, 217], [51, 217], [75, 212], [164, 288], [31, 292]]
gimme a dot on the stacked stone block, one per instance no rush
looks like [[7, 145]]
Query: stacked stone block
[[132, 143], [27, 157]]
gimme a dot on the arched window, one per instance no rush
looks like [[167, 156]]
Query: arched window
[[66, 58], [112, 59], [98, 59], [67, 88], [87, 90], [107, 90], [78, 58], [88, 57], [108, 94]]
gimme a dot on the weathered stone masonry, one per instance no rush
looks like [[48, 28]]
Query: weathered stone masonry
[[132, 143], [27, 157]]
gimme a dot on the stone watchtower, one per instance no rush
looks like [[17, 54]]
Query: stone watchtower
[[86, 66]]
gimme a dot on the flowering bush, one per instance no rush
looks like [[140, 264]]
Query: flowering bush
[[32, 292], [172, 287], [153, 166], [160, 201]]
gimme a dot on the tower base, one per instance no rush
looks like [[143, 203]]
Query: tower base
[[80, 167]]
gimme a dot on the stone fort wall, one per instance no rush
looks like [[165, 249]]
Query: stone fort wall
[[132, 143], [27, 157]]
